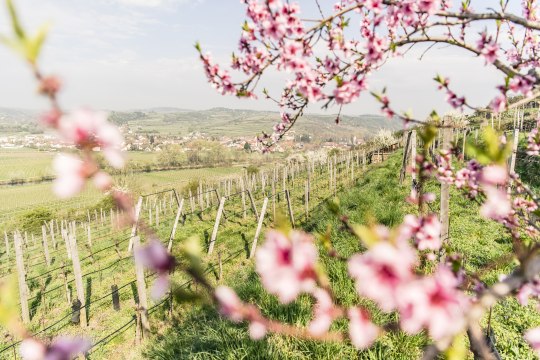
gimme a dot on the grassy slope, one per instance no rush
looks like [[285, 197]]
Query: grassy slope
[[200, 333]]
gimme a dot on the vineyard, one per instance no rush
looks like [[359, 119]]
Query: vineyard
[[78, 276], [56, 297]]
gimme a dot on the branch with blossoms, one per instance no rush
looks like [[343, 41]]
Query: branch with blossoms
[[332, 64]]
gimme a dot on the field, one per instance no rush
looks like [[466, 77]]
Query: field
[[106, 262], [200, 333], [197, 331]]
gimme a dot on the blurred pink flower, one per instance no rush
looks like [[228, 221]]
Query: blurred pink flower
[[155, 256], [61, 348], [287, 264], [323, 311], [362, 331], [230, 304], [494, 175], [497, 205], [382, 270], [434, 303], [257, 330], [89, 129], [70, 175], [533, 338], [425, 230]]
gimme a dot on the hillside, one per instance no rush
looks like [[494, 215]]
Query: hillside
[[234, 122], [200, 333]]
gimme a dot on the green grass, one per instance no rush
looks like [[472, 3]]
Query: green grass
[[200, 333]]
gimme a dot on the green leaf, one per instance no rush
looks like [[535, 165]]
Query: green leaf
[[16, 25], [427, 134], [366, 234], [458, 349], [34, 45], [9, 309]]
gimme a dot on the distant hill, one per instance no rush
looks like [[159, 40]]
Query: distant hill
[[224, 122], [237, 122]]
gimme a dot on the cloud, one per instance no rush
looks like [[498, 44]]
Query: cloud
[[156, 3], [145, 3]]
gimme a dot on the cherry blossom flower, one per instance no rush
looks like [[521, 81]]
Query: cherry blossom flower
[[522, 84], [425, 230], [533, 141], [287, 264], [324, 313], [533, 338], [429, 6], [257, 330], [51, 118], [62, 348], [49, 85], [155, 257], [434, 303], [488, 48], [497, 205], [88, 129], [381, 271], [230, 304], [347, 92], [71, 175], [494, 175], [362, 331]]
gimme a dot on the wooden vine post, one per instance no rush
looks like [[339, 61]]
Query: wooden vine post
[[413, 154], [175, 225], [23, 288], [259, 227], [45, 245], [78, 277], [405, 157], [515, 142], [216, 226], [141, 289], [135, 223], [253, 207], [6, 239], [289, 207], [445, 190]]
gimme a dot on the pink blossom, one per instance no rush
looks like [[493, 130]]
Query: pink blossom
[[71, 175], [434, 303], [362, 331], [429, 6], [494, 175], [381, 271], [522, 84], [425, 230], [102, 181], [287, 264], [88, 129], [324, 313], [488, 48], [156, 257], [257, 330], [497, 205], [50, 85], [533, 338], [230, 304], [533, 141], [498, 104], [375, 49], [347, 92], [61, 348], [51, 118]]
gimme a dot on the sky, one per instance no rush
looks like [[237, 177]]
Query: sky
[[136, 54]]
